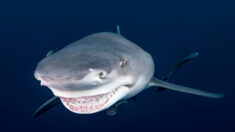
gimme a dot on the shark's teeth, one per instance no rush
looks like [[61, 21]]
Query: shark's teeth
[[87, 104]]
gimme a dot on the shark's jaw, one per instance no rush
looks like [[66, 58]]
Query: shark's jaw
[[94, 103]]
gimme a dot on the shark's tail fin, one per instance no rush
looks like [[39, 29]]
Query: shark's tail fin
[[166, 85], [182, 62], [178, 66]]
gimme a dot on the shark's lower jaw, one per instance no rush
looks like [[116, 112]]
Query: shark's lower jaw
[[92, 104]]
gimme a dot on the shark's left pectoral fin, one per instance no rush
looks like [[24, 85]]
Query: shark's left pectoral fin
[[167, 85], [52, 102]]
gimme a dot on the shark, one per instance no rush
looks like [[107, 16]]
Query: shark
[[101, 71]]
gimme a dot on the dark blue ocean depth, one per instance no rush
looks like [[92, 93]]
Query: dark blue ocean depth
[[168, 29]]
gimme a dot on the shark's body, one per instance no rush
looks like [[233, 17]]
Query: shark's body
[[74, 71], [92, 74]]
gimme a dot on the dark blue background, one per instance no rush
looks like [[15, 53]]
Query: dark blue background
[[167, 29]]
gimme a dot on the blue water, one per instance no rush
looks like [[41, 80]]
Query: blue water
[[167, 29]]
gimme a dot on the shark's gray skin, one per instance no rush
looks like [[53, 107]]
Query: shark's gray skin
[[113, 110], [92, 74]]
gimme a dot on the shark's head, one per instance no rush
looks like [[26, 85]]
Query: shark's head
[[86, 82]]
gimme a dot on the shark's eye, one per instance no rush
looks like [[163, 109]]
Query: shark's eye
[[123, 62], [101, 75]]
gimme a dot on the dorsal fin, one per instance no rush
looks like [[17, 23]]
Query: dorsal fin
[[118, 30], [50, 52]]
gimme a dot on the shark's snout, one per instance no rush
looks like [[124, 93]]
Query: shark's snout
[[94, 73]]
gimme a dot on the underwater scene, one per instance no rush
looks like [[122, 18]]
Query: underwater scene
[[117, 65]]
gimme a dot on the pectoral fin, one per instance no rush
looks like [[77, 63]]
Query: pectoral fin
[[167, 85], [52, 102]]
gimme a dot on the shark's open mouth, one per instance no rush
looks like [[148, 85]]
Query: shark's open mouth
[[88, 104]]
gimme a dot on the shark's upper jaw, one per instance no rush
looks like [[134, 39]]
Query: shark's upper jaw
[[95, 103], [92, 99]]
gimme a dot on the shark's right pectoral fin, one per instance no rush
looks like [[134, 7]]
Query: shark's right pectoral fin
[[52, 102], [167, 85]]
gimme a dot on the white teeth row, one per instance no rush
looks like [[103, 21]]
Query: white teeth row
[[88, 104]]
